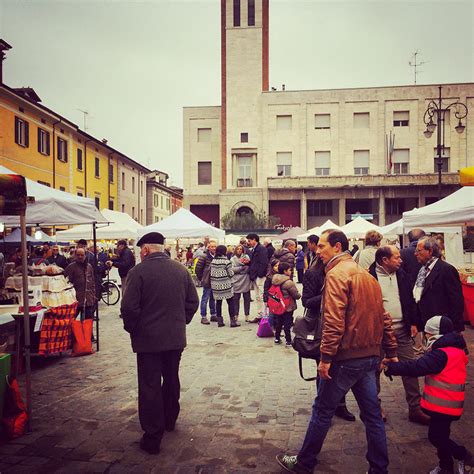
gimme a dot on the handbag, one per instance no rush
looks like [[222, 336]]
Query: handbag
[[307, 340], [264, 328], [14, 413], [82, 332]]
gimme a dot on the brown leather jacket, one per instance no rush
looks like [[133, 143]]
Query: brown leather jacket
[[355, 324]]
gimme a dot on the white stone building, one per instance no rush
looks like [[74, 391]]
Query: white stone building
[[306, 156]]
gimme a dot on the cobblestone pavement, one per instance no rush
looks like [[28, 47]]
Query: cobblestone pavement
[[242, 403]]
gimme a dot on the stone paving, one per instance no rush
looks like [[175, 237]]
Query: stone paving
[[242, 403]]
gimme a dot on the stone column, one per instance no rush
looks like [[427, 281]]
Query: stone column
[[381, 208], [342, 211], [303, 211]]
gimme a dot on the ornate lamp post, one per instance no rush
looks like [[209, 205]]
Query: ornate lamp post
[[436, 108]]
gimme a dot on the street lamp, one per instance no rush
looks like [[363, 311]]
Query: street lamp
[[437, 109]]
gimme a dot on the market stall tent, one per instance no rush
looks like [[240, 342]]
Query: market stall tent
[[183, 224], [120, 226], [292, 233], [329, 224], [455, 209], [357, 228], [53, 207]]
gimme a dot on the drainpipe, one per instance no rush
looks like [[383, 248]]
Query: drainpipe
[[85, 166], [109, 158], [54, 153], [138, 191]]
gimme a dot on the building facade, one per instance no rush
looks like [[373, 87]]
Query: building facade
[[162, 200], [306, 156]]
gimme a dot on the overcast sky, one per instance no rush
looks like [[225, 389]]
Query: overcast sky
[[134, 65]]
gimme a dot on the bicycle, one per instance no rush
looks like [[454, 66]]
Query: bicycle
[[110, 292]]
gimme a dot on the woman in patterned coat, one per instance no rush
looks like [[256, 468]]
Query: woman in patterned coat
[[221, 284]]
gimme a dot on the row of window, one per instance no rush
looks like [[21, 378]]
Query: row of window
[[400, 164], [250, 12], [324, 207], [22, 138], [133, 184], [161, 201]]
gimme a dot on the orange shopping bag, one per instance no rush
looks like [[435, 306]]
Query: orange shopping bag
[[82, 332]]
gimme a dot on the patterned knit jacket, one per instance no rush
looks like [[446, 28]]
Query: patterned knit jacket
[[221, 278]]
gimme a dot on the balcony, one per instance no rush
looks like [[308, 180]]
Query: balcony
[[367, 181], [244, 182]]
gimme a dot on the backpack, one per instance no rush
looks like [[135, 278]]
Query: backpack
[[277, 303], [307, 340]]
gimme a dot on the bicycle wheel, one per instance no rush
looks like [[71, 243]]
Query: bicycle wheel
[[110, 293]]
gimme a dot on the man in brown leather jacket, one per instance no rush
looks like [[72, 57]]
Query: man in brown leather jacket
[[354, 332]]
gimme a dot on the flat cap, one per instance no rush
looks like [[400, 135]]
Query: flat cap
[[151, 238]]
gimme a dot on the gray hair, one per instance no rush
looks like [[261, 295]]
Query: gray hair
[[154, 247], [267, 240], [429, 243], [299, 247], [288, 243]]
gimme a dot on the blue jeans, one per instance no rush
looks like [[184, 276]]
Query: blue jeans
[[207, 295], [358, 375]]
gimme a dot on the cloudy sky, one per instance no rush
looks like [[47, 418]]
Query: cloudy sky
[[134, 65]]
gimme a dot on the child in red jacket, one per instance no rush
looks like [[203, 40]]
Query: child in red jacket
[[444, 368]]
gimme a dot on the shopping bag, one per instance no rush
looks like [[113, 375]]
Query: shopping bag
[[264, 329], [14, 411], [82, 332]]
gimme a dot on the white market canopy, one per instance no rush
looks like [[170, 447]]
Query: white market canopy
[[397, 228], [455, 209], [53, 207], [357, 228], [121, 226], [329, 224], [183, 224]]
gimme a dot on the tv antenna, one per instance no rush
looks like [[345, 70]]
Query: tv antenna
[[415, 64], [85, 113]]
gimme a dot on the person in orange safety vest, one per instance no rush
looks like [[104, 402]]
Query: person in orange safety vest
[[444, 367]]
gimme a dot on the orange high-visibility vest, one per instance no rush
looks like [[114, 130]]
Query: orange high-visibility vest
[[444, 392]]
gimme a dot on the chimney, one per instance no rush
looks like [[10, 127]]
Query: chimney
[[4, 46], [283, 87]]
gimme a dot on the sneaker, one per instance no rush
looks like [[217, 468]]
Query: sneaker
[[150, 446], [213, 318], [205, 321], [288, 343], [277, 341], [289, 464]]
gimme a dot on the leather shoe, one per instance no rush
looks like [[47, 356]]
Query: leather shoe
[[344, 413], [416, 415], [205, 321], [255, 320], [150, 446], [214, 318]]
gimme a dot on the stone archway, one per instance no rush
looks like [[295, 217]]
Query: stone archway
[[243, 210]]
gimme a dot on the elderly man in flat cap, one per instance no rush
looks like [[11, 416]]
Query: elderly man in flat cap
[[160, 300]]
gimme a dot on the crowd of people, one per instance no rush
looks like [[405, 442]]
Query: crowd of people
[[367, 314]]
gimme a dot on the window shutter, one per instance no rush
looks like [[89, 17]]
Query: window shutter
[[361, 158], [47, 143], [361, 120], [401, 155], [65, 151], [284, 158], [401, 115], [39, 140], [17, 135], [322, 159], [27, 134]]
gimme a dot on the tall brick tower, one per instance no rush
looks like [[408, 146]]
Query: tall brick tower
[[244, 75]]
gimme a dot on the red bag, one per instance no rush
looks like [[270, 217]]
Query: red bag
[[82, 332], [14, 411], [277, 303]]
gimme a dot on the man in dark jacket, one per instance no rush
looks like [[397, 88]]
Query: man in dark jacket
[[56, 258], [203, 270], [410, 264], [437, 289], [398, 301], [267, 243], [81, 275], [125, 261], [160, 300], [257, 271], [285, 254]]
